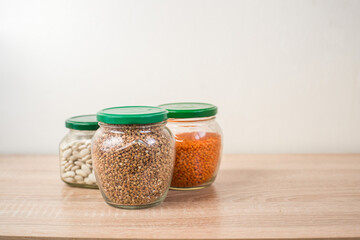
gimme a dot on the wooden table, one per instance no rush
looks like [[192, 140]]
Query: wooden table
[[254, 197]]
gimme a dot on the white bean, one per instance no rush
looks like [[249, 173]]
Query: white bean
[[69, 179], [67, 153], [92, 177], [81, 173], [67, 164], [86, 169], [75, 168], [78, 163], [76, 154], [77, 145], [68, 168], [84, 152], [88, 181], [87, 157], [81, 147], [79, 178], [69, 174]]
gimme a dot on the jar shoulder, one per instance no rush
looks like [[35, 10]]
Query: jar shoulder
[[126, 137], [73, 137], [198, 126]]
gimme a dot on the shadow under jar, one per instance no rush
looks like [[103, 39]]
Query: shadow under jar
[[134, 156], [76, 167], [198, 144]]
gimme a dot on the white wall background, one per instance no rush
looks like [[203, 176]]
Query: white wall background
[[284, 74]]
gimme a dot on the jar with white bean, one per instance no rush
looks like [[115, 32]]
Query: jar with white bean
[[76, 168]]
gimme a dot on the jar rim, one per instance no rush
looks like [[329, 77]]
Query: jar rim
[[127, 115], [199, 119], [107, 125], [82, 122], [190, 109]]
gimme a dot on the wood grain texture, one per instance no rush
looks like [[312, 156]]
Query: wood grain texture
[[254, 197]]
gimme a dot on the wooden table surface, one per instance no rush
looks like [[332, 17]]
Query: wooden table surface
[[254, 197]]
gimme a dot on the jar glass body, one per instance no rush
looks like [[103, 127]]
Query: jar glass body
[[198, 152], [76, 167], [133, 163]]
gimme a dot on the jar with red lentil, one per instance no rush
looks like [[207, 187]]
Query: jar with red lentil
[[134, 155], [198, 144]]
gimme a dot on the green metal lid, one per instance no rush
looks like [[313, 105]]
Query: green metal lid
[[82, 122], [190, 109], [132, 115]]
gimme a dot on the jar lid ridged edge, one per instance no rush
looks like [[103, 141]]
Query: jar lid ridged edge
[[82, 122], [190, 109], [132, 115]]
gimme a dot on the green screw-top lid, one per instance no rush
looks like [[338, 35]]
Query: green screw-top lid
[[190, 109], [82, 122], [132, 115]]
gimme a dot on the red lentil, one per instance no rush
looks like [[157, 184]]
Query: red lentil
[[197, 158]]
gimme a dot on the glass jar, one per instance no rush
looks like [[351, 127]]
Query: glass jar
[[134, 156], [76, 167], [198, 144]]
